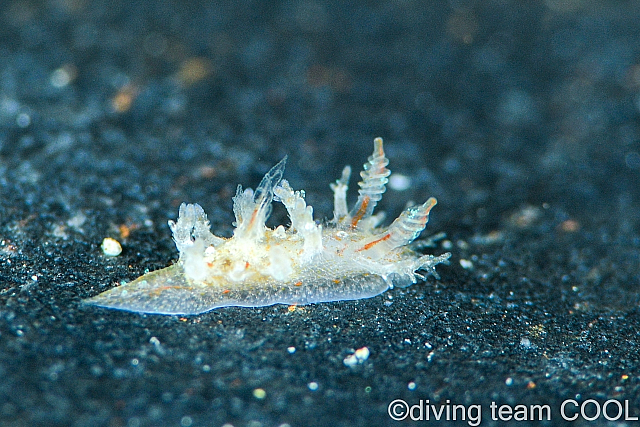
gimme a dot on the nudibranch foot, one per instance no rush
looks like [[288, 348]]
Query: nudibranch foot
[[347, 258], [168, 291]]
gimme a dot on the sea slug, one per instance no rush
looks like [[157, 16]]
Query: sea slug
[[349, 257]]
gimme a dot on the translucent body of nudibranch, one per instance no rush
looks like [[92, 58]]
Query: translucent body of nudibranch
[[347, 258]]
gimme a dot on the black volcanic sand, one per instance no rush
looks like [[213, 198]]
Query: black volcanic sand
[[521, 118]]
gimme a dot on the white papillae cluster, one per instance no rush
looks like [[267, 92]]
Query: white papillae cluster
[[255, 251], [348, 257]]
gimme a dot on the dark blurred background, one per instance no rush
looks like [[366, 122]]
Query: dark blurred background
[[522, 118]]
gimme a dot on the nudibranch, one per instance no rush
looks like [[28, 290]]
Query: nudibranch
[[349, 257]]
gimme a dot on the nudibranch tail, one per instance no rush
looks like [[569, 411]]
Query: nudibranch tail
[[350, 257]]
